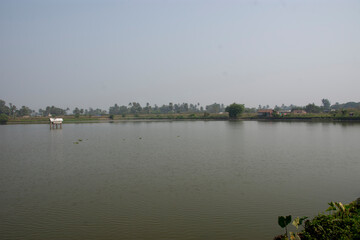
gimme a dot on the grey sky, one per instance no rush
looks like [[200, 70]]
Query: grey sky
[[97, 53]]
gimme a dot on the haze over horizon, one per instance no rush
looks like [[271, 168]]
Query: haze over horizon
[[97, 53]]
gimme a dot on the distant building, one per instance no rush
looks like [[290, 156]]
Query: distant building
[[265, 112], [284, 112], [296, 111]]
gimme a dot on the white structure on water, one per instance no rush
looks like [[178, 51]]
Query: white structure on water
[[54, 122]]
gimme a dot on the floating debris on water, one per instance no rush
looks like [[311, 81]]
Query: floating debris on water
[[79, 140]]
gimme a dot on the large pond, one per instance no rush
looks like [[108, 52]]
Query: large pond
[[171, 180]]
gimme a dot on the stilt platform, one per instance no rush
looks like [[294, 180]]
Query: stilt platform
[[56, 123]]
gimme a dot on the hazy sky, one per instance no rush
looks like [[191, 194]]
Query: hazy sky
[[97, 53]]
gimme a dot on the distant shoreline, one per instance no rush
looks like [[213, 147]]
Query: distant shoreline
[[180, 117]]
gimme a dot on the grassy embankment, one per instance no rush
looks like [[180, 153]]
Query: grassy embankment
[[321, 117], [109, 118], [355, 116], [67, 119]]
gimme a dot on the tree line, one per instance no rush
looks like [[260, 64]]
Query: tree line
[[136, 108], [313, 108], [12, 111]]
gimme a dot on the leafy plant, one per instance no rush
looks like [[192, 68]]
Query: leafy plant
[[343, 222], [298, 222], [283, 222]]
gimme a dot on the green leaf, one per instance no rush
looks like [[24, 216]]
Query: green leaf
[[332, 207], [302, 219], [288, 219], [281, 221], [340, 206], [284, 221], [296, 222]]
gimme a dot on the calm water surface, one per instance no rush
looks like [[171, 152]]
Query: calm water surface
[[171, 180]]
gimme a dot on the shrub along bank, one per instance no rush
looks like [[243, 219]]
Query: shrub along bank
[[341, 222]]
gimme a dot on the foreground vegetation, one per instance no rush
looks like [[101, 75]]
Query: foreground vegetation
[[341, 222]]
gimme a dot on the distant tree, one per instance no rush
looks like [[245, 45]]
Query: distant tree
[[326, 104], [347, 105], [171, 107], [192, 107], [186, 107], [123, 109], [164, 109], [12, 109], [3, 118], [94, 112], [115, 109], [24, 111], [277, 108], [147, 109], [250, 110], [156, 109], [235, 109], [177, 108], [135, 108], [3, 108], [312, 108], [296, 108], [55, 111], [76, 111]]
